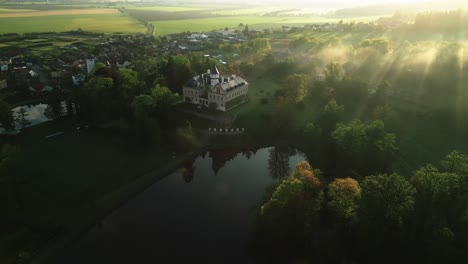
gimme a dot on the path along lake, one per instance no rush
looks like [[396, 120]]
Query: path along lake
[[198, 214]]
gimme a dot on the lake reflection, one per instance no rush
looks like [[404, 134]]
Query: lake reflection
[[33, 115], [198, 214]]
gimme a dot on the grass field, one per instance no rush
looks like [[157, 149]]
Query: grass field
[[106, 23]]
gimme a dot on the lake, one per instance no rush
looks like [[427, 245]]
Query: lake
[[197, 214]]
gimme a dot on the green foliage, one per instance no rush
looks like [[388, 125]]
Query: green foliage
[[369, 147], [351, 138], [334, 72], [298, 85], [128, 84], [441, 195], [95, 91], [291, 213], [312, 134], [177, 72], [387, 200], [261, 45], [331, 114], [344, 196], [98, 66], [382, 46], [455, 162]]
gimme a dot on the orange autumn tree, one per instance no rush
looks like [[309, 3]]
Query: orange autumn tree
[[344, 197], [291, 214]]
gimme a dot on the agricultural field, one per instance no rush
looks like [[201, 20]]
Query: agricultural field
[[163, 27], [176, 19], [104, 20], [167, 19], [170, 8]]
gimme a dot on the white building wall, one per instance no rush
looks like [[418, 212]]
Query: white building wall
[[90, 65]]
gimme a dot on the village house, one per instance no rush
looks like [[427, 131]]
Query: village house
[[4, 66], [211, 89]]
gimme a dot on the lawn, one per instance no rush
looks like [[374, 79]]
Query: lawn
[[106, 23]]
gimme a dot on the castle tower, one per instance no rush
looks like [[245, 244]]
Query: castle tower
[[214, 75]]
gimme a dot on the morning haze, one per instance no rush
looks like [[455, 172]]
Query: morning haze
[[234, 132]]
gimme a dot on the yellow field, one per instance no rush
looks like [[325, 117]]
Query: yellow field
[[11, 10], [31, 13]]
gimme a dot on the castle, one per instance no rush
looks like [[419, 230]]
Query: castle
[[211, 89]]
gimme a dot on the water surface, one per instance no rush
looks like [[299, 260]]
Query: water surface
[[193, 215]]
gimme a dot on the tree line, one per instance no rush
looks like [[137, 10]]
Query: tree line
[[384, 218]]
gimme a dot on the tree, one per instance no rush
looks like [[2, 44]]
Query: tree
[[297, 85], [246, 30], [128, 85], [386, 201], [368, 148], [163, 100], [290, 216], [382, 46], [440, 195], [455, 162], [6, 116], [344, 198], [261, 45], [312, 134], [151, 112], [331, 114], [147, 128], [96, 91], [177, 72], [333, 72], [386, 207]]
